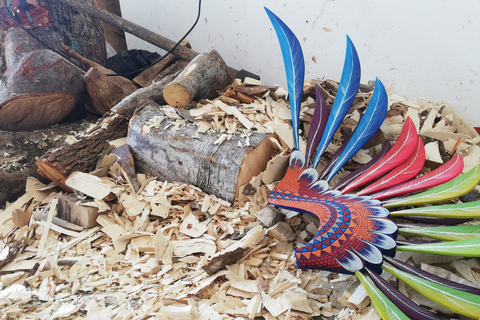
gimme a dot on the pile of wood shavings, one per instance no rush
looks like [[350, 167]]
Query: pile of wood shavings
[[171, 251]]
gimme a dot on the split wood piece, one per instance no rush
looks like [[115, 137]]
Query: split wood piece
[[281, 232], [203, 77], [70, 210], [125, 166], [58, 163], [19, 151], [172, 154], [39, 87], [234, 252], [106, 91], [146, 77], [269, 216], [90, 185]]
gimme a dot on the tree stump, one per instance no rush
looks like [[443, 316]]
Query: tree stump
[[183, 155], [39, 87]]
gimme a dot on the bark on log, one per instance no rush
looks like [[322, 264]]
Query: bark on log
[[58, 163], [201, 79], [19, 150], [39, 88], [183, 155]]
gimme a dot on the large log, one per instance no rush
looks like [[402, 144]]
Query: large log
[[59, 24], [184, 155], [39, 87], [203, 77], [19, 150]]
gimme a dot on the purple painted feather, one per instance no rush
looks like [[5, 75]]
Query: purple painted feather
[[334, 158], [317, 127], [354, 174], [436, 220], [431, 277], [407, 306]]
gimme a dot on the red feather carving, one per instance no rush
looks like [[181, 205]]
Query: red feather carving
[[442, 174], [406, 171], [403, 148]]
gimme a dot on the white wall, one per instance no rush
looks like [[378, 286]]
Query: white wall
[[426, 49]]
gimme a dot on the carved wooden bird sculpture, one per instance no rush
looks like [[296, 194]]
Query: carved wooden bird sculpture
[[356, 233]]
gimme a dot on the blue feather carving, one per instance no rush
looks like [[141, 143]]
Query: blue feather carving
[[366, 128], [347, 90], [294, 68]]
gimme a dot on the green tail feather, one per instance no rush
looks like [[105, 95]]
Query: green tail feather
[[384, 306], [449, 190], [468, 210], [451, 233], [465, 248], [463, 303]]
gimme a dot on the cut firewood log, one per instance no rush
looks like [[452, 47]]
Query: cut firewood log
[[201, 79], [179, 153], [83, 154], [106, 91], [39, 87], [19, 151], [146, 77]]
